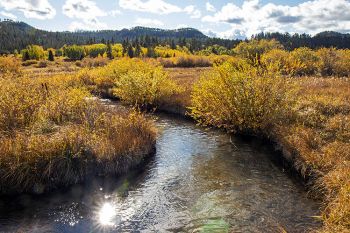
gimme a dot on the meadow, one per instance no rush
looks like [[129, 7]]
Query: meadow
[[299, 100]]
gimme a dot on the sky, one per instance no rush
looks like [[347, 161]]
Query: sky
[[219, 18]]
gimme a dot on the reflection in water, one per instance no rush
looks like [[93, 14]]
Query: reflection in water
[[107, 215], [197, 182]]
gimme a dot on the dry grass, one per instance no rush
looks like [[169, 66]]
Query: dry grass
[[320, 139], [9, 64], [317, 139], [186, 61], [184, 77], [54, 134]]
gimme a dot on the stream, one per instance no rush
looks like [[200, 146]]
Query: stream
[[199, 180]]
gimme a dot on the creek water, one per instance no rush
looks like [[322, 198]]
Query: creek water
[[198, 181]]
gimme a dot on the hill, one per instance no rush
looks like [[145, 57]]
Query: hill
[[322, 39], [17, 35]]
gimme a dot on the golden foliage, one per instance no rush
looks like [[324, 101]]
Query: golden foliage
[[145, 86], [9, 65], [241, 97], [53, 134]]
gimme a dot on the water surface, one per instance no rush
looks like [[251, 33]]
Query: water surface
[[199, 181]]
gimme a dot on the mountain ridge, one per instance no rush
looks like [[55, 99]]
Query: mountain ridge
[[17, 35]]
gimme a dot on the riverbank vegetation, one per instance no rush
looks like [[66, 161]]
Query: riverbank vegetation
[[299, 99], [308, 118], [133, 81], [53, 133]]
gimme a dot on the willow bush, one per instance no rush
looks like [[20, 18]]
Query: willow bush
[[9, 65], [145, 86], [134, 81], [242, 97]]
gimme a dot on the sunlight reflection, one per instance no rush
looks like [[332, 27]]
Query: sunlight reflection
[[107, 214]]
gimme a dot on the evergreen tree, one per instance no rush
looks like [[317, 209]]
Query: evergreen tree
[[51, 57], [109, 50], [130, 51], [125, 47], [150, 52], [173, 45], [138, 50], [26, 56]]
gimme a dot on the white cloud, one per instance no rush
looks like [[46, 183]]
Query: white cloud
[[82, 9], [87, 25], [115, 13], [148, 22], [38, 9], [158, 7], [192, 11], [151, 6], [85, 10], [8, 15], [181, 26], [210, 7], [310, 17]]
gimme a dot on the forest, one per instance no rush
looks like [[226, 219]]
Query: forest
[[21, 35]]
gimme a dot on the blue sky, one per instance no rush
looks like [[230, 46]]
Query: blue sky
[[226, 19]]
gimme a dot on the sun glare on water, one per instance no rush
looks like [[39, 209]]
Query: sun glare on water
[[107, 215]]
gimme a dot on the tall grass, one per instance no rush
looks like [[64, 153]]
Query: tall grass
[[53, 134], [313, 130]]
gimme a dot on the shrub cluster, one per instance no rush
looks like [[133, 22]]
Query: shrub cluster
[[241, 97], [131, 80], [186, 61], [307, 117], [9, 65], [304, 61]]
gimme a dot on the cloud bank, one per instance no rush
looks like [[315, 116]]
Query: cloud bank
[[310, 17], [37, 9]]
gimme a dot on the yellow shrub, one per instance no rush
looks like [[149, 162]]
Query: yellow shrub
[[282, 61], [241, 98], [166, 52], [342, 64], [254, 49], [306, 61], [185, 61], [328, 58], [145, 86], [9, 64]]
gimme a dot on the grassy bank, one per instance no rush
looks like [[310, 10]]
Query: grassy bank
[[308, 118], [54, 134]]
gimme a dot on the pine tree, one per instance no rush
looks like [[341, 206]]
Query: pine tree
[[150, 52], [26, 56], [130, 51], [173, 45], [138, 50], [125, 47], [109, 50], [51, 57]]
